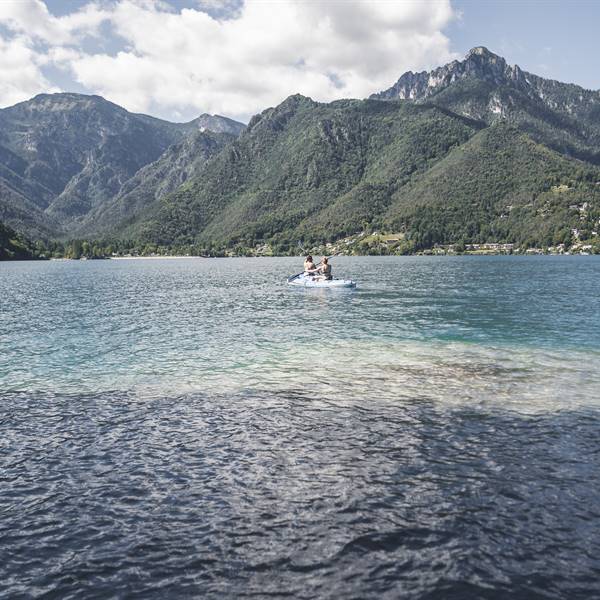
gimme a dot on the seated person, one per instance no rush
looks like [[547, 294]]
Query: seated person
[[325, 270], [309, 266]]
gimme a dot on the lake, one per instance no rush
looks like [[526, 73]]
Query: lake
[[197, 428]]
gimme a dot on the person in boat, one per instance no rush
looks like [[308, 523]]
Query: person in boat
[[325, 270], [309, 266]]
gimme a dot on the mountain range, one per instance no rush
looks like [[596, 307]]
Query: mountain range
[[63, 157], [474, 151]]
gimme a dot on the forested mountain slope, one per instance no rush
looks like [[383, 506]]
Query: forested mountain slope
[[500, 186], [316, 172], [279, 179], [154, 181]]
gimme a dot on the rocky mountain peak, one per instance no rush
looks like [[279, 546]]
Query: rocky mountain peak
[[46, 104], [483, 86], [483, 52], [485, 60], [479, 63], [275, 117], [217, 124]]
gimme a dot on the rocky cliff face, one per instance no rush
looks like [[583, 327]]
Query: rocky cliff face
[[157, 179], [479, 63], [482, 65]]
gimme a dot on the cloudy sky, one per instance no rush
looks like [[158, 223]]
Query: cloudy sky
[[176, 59]]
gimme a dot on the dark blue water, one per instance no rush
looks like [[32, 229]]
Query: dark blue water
[[194, 428]]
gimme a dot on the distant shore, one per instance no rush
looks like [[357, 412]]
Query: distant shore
[[151, 257]]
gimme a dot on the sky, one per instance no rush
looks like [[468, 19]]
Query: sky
[[177, 59]]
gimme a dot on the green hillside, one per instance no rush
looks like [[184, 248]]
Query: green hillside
[[318, 172], [14, 246], [500, 186], [306, 169]]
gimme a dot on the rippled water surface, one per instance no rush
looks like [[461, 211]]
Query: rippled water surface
[[196, 428]]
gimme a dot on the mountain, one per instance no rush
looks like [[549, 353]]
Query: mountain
[[308, 169], [62, 156], [477, 150], [564, 116], [156, 180], [500, 186], [217, 124]]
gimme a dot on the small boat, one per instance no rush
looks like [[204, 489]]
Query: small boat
[[310, 282]]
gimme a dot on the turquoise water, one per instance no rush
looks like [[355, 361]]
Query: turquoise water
[[195, 427], [519, 330]]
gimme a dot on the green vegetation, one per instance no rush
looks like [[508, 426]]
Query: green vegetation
[[14, 246], [488, 159], [307, 170], [322, 172], [509, 195]]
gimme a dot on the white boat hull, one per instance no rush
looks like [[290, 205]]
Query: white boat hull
[[309, 282]]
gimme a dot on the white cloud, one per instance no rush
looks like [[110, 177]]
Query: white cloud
[[31, 19], [236, 59], [32, 39], [20, 74]]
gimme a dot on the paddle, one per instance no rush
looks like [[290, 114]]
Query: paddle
[[296, 275]]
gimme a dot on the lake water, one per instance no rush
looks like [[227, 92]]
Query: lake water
[[196, 428]]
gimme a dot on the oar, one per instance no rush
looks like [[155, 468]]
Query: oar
[[301, 273], [297, 275]]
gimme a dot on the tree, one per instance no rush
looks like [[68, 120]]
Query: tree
[[75, 250]]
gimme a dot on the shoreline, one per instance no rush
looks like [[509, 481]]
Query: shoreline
[[435, 255], [145, 257]]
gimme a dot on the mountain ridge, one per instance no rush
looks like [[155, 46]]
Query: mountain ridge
[[62, 156], [477, 149], [239, 197], [477, 61], [485, 87]]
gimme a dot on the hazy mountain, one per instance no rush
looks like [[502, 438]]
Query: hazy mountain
[[157, 179], [63, 156]]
